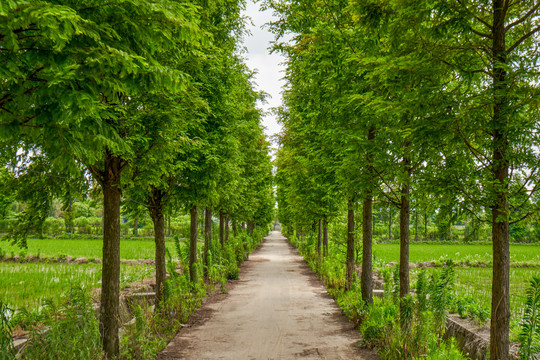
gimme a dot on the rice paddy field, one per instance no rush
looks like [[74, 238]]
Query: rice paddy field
[[474, 273], [474, 254], [141, 248], [28, 285]]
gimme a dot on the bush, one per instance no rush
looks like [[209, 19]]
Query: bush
[[53, 225]]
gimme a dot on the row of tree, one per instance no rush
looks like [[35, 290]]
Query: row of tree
[[148, 99], [429, 103]]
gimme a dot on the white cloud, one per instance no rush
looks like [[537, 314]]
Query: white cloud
[[269, 67]]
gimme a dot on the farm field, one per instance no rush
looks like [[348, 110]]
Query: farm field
[[520, 254], [29, 284], [474, 281], [141, 248]]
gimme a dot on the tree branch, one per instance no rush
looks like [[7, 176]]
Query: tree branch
[[523, 18], [522, 39]]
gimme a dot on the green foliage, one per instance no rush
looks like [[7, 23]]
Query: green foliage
[[470, 307], [380, 320], [70, 330], [351, 304], [422, 291], [441, 290], [142, 340], [7, 351], [529, 336]]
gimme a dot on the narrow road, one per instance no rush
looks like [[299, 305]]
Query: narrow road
[[277, 310]]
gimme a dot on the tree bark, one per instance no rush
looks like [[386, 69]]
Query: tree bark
[[325, 235], [404, 219], [234, 228], [350, 244], [136, 227], [226, 235], [425, 224], [500, 297], [207, 239], [319, 241], [222, 229], [193, 245], [366, 280], [110, 278], [169, 221], [390, 222], [68, 217], [156, 213], [243, 226], [416, 225]]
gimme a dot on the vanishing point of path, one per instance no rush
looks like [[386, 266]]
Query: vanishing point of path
[[277, 310]]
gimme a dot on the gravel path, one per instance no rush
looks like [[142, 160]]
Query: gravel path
[[277, 310]]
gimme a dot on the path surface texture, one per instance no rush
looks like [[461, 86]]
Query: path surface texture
[[277, 310]]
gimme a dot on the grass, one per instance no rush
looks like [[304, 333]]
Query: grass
[[524, 255], [29, 284], [84, 248], [476, 282]]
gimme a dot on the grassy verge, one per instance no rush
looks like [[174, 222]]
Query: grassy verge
[[448, 288]]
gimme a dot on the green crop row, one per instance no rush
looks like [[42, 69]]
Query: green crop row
[[26, 285], [82, 248], [474, 254]]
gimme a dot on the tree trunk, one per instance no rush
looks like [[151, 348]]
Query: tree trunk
[[500, 297], [193, 245], [325, 235], [416, 225], [222, 229], [226, 235], [156, 213], [425, 224], [169, 221], [207, 239], [390, 222], [234, 228], [350, 244], [110, 277], [243, 226], [68, 217], [319, 241], [404, 219], [366, 280], [136, 227]]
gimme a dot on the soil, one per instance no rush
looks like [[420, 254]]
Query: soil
[[277, 310]]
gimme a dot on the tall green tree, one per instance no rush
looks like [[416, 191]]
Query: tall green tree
[[80, 66], [490, 48]]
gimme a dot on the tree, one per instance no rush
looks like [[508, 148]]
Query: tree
[[489, 47], [80, 67]]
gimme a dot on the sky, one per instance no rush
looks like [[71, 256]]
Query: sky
[[269, 68]]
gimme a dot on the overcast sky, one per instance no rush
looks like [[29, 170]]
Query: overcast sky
[[269, 70]]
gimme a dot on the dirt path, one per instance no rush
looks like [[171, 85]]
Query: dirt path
[[278, 310]]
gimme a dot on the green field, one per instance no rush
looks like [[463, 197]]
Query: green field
[[474, 281], [29, 284], [459, 253], [84, 248]]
